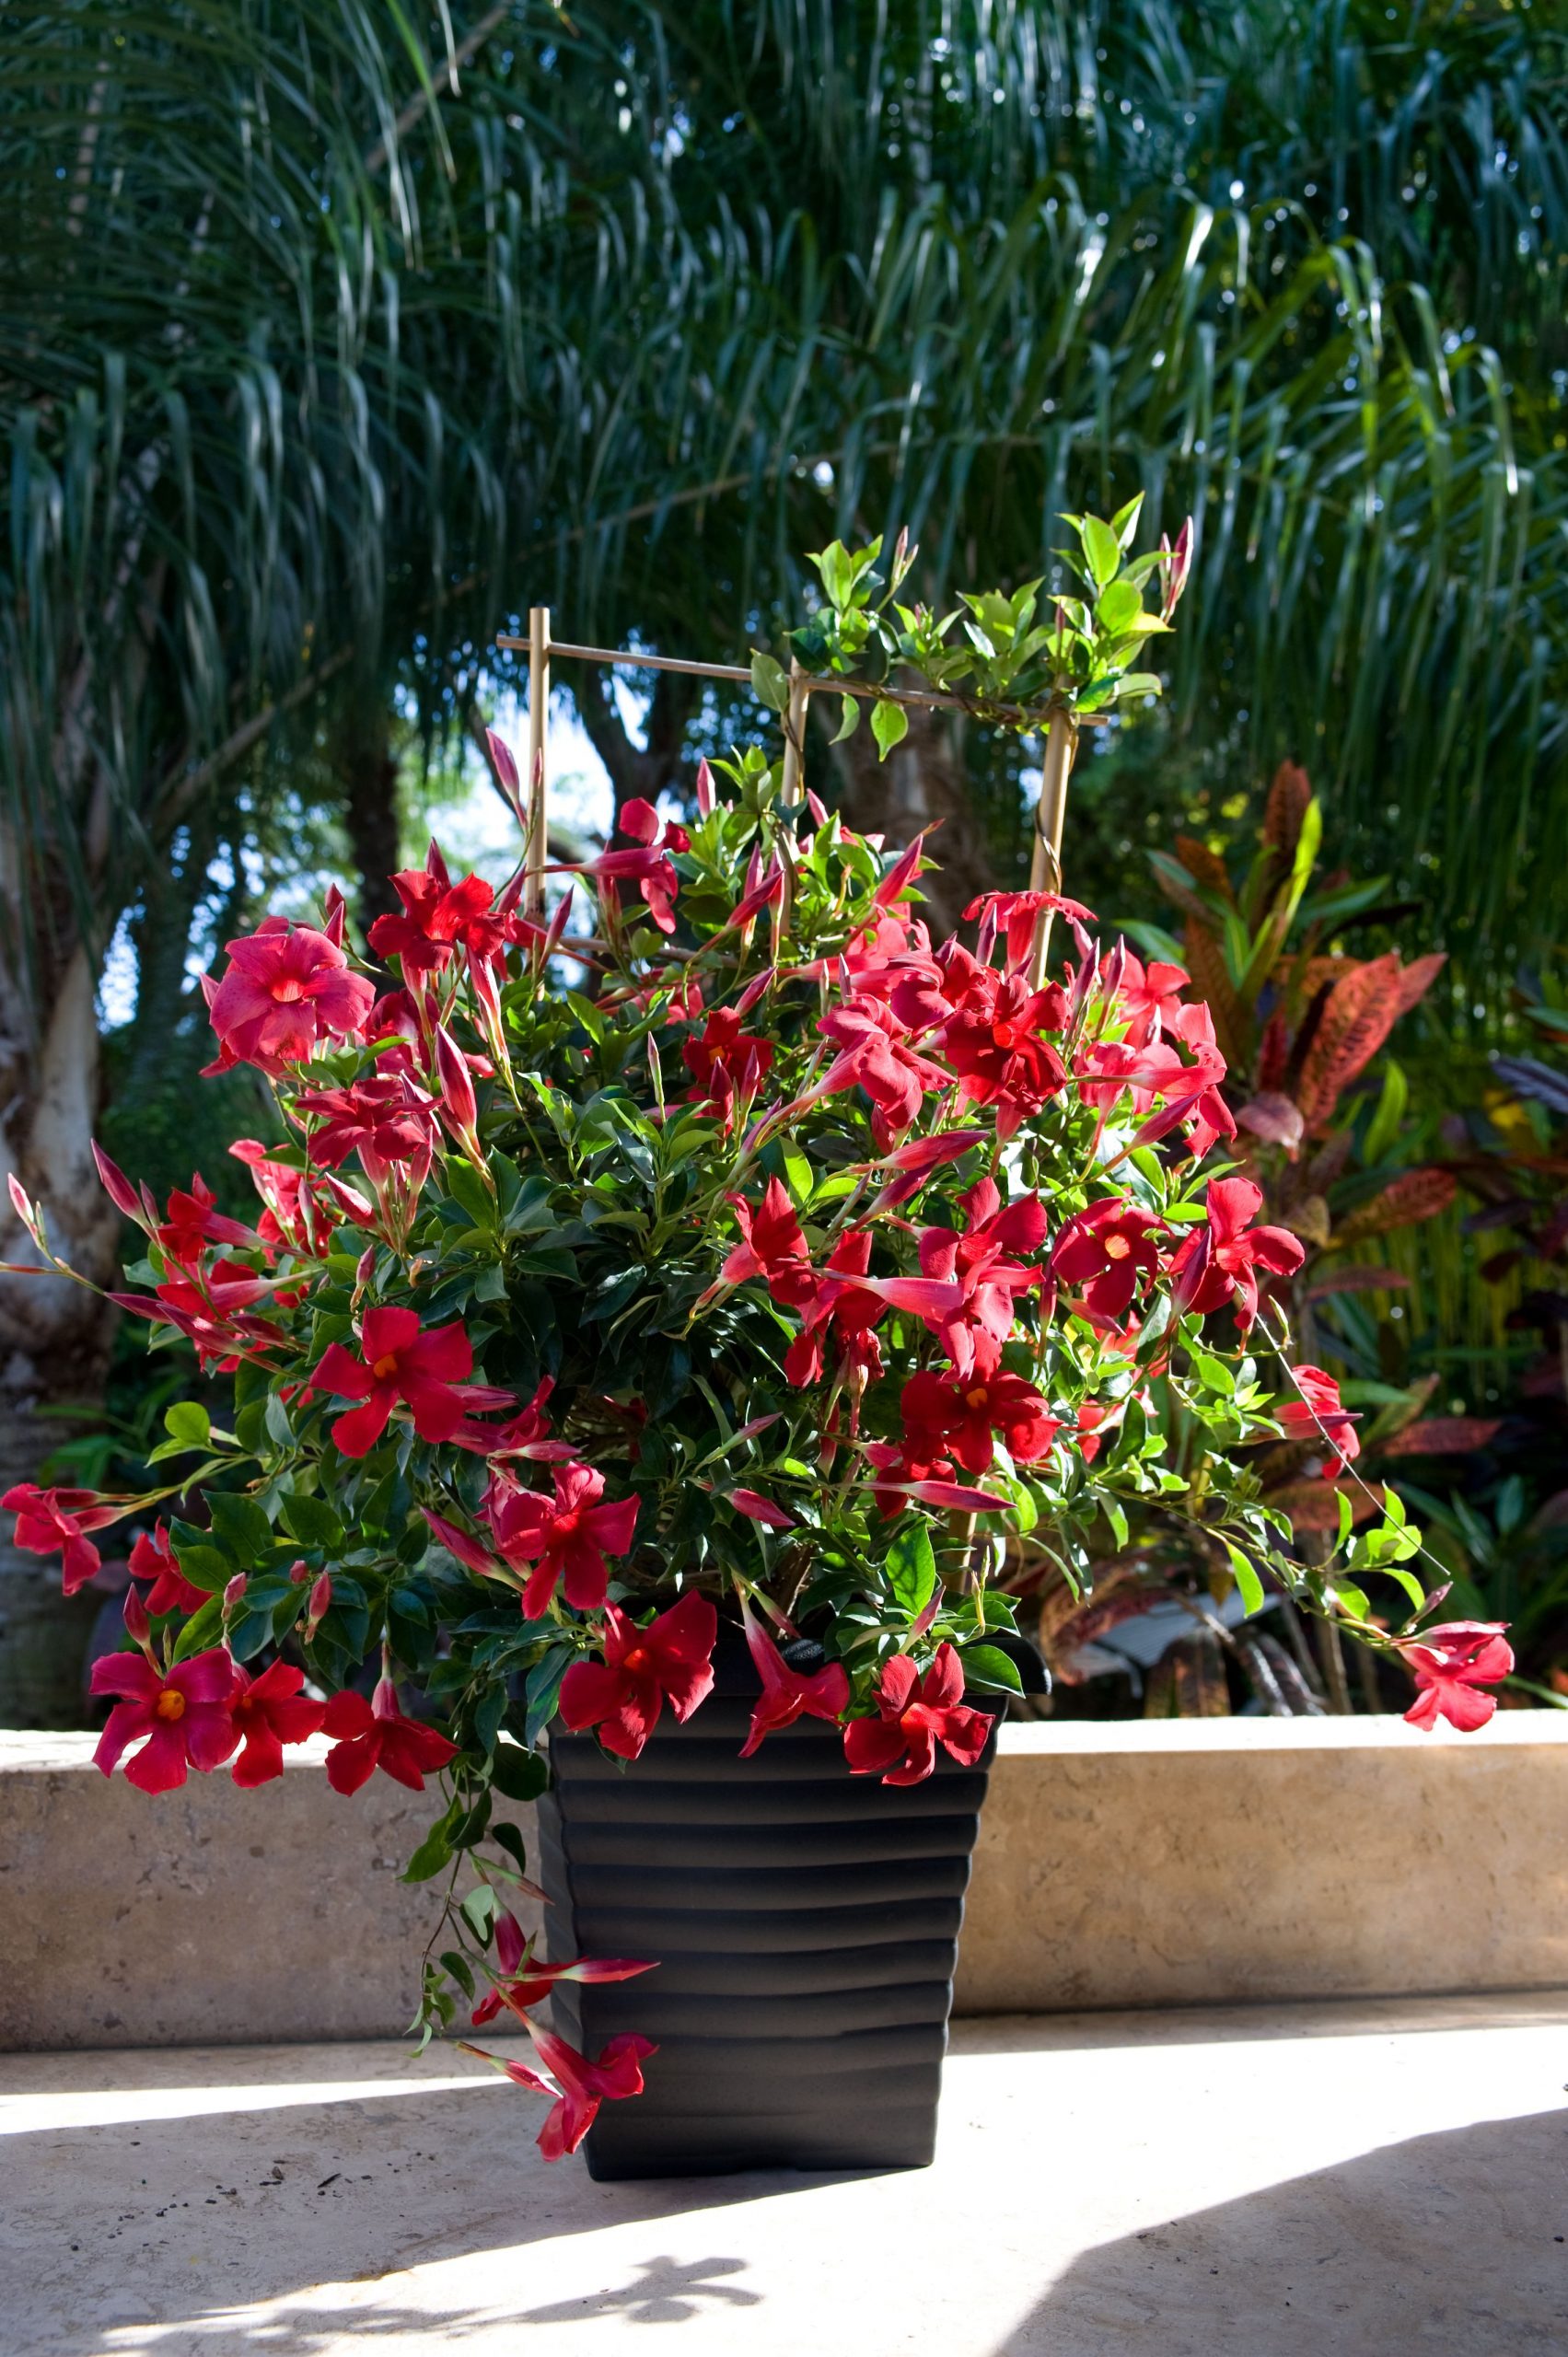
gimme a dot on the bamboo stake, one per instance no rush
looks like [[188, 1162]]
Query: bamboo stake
[[794, 737], [536, 850], [1045, 864]]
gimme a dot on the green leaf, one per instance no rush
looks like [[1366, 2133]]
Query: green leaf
[[312, 1521], [1102, 550], [242, 1525], [457, 1965], [911, 1568], [479, 1908], [1118, 607], [434, 1853], [206, 1567], [1384, 1126], [188, 1422], [506, 1836], [520, 1775], [849, 720], [989, 1670], [889, 725], [204, 1628], [770, 682], [1247, 1579]]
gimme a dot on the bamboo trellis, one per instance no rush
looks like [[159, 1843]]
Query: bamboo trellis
[[1060, 747]]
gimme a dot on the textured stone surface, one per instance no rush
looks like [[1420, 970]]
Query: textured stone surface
[[1140, 1864], [206, 1914], [1165, 1863], [1308, 2181]]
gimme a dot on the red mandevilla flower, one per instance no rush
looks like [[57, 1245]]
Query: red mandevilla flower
[[915, 1714], [979, 1262], [268, 1712], [578, 2086], [191, 1222], [774, 1248], [726, 1061], [373, 1735], [1450, 1663], [1319, 1415], [422, 1368], [960, 1413], [57, 1521], [438, 917], [670, 1661], [183, 1712], [569, 1535], [1216, 1266], [388, 1120], [998, 1055], [287, 988], [526, 1980], [789, 1694], [1104, 1251], [153, 1558]]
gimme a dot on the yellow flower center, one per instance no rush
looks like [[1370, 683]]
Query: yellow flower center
[[170, 1704], [1116, 1248], [385, 1366]]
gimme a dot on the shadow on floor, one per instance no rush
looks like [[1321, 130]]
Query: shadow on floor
[[1452, 2243]]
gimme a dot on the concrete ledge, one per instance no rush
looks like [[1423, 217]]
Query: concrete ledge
[[1123, 1865]]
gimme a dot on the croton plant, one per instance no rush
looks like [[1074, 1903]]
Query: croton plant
[[750, 1259]]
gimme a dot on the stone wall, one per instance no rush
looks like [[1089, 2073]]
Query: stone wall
[[1175, 1862]]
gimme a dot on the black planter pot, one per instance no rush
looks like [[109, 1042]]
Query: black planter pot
[[805, 1923]]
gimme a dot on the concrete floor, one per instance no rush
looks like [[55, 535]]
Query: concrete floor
[[1273, 2182]]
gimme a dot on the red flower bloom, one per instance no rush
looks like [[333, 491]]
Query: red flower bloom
[[1216, 1267], [376, 1735], [789, 1694], [911, 1471], [526, 1980], [570, 1535], [873, 1056], [578, 2086], [852, 1303], [1318, 1415], [191, 1222], [1019, 913], [269, 1711], [670, 1661], [287, 988], [915, 1714], [774, 1248], [183, 1712], [1148, 998], [998, 1055], [978, 1263], [422, 1368], [726, 1061], [959, 1413], [153, 1558], [387, 1119], [438, 917], [52, 1520], [1104, 1251], [650, 868], [1449, 1662]]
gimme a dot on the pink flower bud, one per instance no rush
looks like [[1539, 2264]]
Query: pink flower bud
[[458, 1107], [117, 1186], [505, 768], [816, 807], [138, 1626], [320, 1604], [705, 795], [234, 1594], [336, 910]]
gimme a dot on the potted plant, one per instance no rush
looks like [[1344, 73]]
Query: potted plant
[[651, 1364]]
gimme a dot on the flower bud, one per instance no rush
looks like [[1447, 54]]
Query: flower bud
[[234, 1594], [319, 1606], [137, 1625]]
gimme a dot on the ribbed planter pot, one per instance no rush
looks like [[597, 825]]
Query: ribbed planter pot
[[805, 1923]]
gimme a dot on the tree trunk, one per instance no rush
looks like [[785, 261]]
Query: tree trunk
[[54, 1336], [638, 772], [369, 771], [921, 784]]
